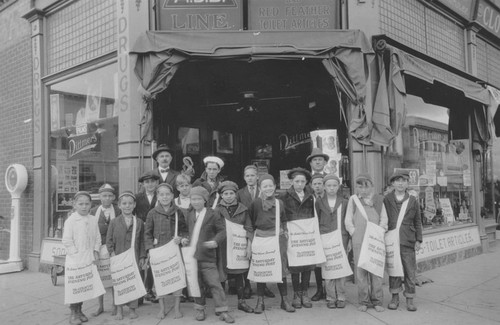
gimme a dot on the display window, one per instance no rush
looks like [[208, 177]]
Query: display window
[[83, 140], [439, 163]]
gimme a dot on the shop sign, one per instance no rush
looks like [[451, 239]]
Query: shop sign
[[461, 7], [488, 16], [425, 134], [447, 242], [290, 142], [81, 143], [293, 15], [189, 15]]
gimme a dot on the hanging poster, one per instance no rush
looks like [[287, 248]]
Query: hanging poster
[[67, 181], [93, 103], [285, 182], [327, 141], [447, 210]]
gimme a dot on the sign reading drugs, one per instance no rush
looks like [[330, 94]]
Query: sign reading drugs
[[81, 283], [168, 269]]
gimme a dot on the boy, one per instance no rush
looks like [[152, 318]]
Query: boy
[[105, 213], [119, 240], [82, 241], [206, 232], [327, 209], [409, 239], [160, 229], [319, 191], [183, 185]]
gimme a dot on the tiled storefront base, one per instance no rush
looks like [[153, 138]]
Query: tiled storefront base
[[453, 257]]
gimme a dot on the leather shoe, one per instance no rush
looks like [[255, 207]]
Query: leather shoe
[[242, 305], [331, 304], [227, 318], [286, 306], [268, 293], [306, 302], [296, 302], [201, 315], [259, 308], [340, 304], [318, 295]]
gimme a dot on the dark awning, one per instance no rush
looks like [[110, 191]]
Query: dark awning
[[345, 54]]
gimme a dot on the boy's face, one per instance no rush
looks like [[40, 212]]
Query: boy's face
[[267, 187], [184, 188], [400, 184], [164, 158], [164, 196], [331, 187], [299, 183], [365, 190], [82, 205], [198, 202], [317, 185], [229, 196], [106, 198], [127, 205], [212, 170], [150, 185], [251, 177]]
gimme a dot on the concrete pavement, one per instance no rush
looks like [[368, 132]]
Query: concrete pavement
[[466, 292]]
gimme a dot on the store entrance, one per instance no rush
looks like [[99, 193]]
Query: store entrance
[[248, 113]]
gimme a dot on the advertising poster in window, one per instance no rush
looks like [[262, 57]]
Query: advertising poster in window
[[67, 181], [93, 103], [327, 141], [458, 164]]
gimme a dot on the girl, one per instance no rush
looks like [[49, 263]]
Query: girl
[[299, 204], [235, 213], [369, 285], [160, 229], [119, 239], [263, 215]]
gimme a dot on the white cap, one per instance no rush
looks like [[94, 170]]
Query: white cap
[[213, 159]]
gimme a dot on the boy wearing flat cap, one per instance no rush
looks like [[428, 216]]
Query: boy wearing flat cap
[[207, 231], [105, 213], [403, 211], [211, 178], [163, 156]]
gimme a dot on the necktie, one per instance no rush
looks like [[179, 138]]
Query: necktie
[[163, 171], [252, 191]]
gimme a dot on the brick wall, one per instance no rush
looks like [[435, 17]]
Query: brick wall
[[16, 135]]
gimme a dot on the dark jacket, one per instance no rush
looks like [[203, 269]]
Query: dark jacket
[[171, 176], [102, 222], [411, 226], [119, 237], [142, 205], [213, 228], [328, 219], [243, 196], [160, 225], [294, 208], [202, 181]]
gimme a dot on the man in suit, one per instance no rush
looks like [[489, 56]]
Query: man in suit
[[317, 160], [163, 156], [410, 238]]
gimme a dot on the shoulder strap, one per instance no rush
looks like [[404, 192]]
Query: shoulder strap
[[176, 231], [134, 230], [402, 212], [360, 206], [277, 206], [214, 205]]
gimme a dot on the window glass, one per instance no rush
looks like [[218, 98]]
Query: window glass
[[83, 140], [439, 166]]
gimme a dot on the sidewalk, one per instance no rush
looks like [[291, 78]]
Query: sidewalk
[[467, 292]]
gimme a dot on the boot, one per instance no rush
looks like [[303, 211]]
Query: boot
[[409, 305], [304, 299], [242, 305], [259, 308], [73, 318], [318, 295], [81, 315], [286, 305], [297, 301], [247, 292], [226, 317], [394, 304]]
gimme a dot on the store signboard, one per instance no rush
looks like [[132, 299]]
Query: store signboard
[[488, 16], [293, 15], [447, 242], [462, 7], [190, 15], [51, 248]]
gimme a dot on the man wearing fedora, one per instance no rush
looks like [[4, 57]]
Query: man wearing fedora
[[317, 160], [163, 155]]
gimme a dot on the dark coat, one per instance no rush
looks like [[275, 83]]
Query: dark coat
[[142, 205], [294, 208], [119, 237], [171, 176], [328, 219], [102, 222], [411, 226], [202, 181], [243, 196], [213, 228], [160, 225]]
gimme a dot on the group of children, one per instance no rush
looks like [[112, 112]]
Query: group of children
[[201, 216]]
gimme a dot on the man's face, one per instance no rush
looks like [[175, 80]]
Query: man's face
[[164, 158], [317, 186], [106, 198], [150, 185], [212, 170], [317, 164], [251, 177]]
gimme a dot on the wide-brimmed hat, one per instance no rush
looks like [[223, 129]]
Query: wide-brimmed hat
[[299, 171], [317, 152], [162, 147], [213, 159], [150, 174], [399, 174]]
